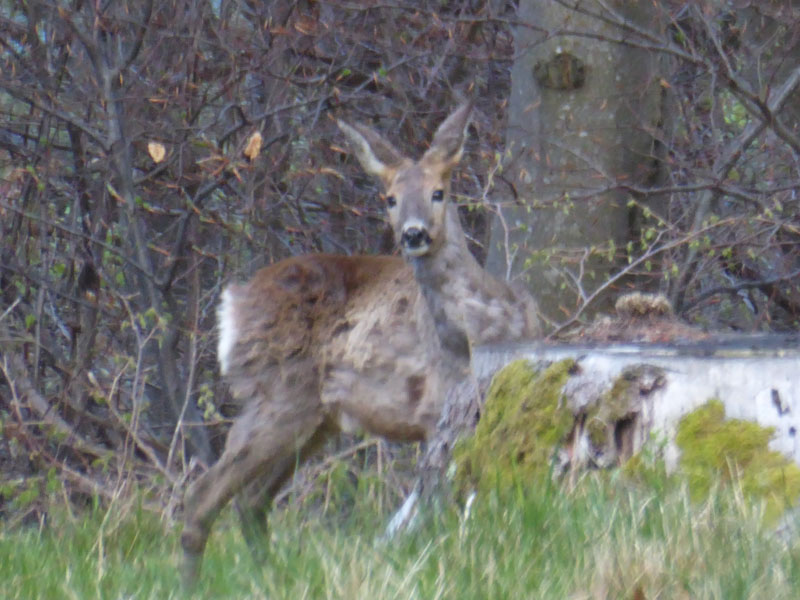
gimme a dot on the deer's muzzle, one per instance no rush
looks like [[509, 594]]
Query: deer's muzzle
[[415, 241]]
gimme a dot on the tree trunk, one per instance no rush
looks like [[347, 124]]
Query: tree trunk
[[581, 119]]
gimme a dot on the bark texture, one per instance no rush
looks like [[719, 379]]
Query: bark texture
[[581, 118]]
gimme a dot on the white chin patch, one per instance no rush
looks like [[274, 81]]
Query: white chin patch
[[415, 252], [226, 324]]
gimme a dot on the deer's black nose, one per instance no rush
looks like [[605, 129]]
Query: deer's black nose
[[414, 238]]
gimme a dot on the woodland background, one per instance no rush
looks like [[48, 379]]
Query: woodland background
[[616, 145]]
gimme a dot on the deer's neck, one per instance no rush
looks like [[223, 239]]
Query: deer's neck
[[464, 297], [444, 276]]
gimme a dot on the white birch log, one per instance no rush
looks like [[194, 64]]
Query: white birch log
[[757, 378]]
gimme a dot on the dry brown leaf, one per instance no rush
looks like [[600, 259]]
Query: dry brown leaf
[[156, 151], [253, 147], [329, 171]]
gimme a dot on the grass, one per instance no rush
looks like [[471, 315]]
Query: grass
[[601, 538]]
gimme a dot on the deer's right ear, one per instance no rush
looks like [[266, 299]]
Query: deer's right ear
[[377, 156], [448, 142]]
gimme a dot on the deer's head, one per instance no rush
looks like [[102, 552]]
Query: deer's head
[[417, 192]]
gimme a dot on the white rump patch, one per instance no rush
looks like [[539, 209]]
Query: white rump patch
[[228, 332]]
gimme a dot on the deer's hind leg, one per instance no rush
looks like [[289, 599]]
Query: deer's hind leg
[[263, 445], [254, 502]]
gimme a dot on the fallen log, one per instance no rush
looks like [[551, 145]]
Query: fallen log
[[637, 390], [623, 394]]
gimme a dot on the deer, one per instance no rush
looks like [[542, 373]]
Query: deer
[[319, 344]]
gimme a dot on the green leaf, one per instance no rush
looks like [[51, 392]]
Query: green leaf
[[53, 482], [58, 269]]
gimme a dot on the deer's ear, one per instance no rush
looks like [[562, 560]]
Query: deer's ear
[[377, 156], [448, 142]]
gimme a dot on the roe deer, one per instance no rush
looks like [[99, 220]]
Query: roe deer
[[320, 343]]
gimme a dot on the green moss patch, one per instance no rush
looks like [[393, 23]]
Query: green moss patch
[[714, 449], [525, 419], [622, 401], [613, 406]]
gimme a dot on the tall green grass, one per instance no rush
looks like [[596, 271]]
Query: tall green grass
[[600, 537]]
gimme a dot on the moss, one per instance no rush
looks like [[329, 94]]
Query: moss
[[618, 403], [714, 449], [524, 420], [613, 406], [597, 430], [615, 401]]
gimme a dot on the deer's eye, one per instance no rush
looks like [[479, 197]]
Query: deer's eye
[[437, 196], [391, 201]]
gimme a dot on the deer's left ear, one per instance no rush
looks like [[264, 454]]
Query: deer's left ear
[[448, 142]]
